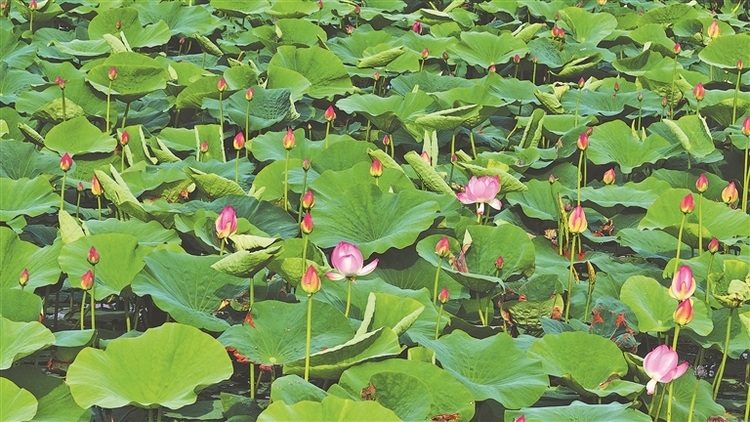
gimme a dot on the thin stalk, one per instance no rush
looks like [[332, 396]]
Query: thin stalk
[[237, 167], [109, 95], [734, 102], [533, 74], [158, 415], [437, 326], [62, 191], [348, 297], [125, 116], [328, 129], [588, 303], [286, 182], [669, 401], [252, 380], [661, 401], [393, 149], [671, 89], [221, 114], [580, 164], [367, 132], [745, 174], [640, 114], [221, 248], [126, 301], [83, 309], [31, 22], [570, 278], [247, 122], [720, 372], [304, 250], [309, 336], [435, 284], [692, 400], [203, 63], [653, 401], [578, 103], [150, 415], [65, 115], [78, 203], [99, 206], [93, 301], [122, 159], [479, 216], [700, 225], [482, 320], [473, 146], [747, 399], [585, 173], [679, 243], [304, 190]]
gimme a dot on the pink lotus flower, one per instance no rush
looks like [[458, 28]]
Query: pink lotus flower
[[729, 194], [713, 245], [289, 141], [329, 114], [661, 364], [746, 126], [221, 85], [66, 162], [683, 284], [699, 92], [684, 312], [24, 278], [713, 30], [124, 138], [348, 262], [482, 190], [417, 27], [226, 223]]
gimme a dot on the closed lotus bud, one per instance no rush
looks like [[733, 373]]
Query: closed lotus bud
[[601, 2], [492, 69], [516, 59], [713, 30], [739, 64], [308, 200], [33, 5], [124, 138], [249, 94], [310, 281], [376, 169], [96, 187], [664, 102], [583, 142], [683, 283], [556, 17], [640, 96], [226, 223], [376, 76], [417, 27], [444, 296], [87, 280], [59, 81], [425, 53], [702, 183], [306, 226], [699, 92], [499, 263], [66, 162], [577, 222], [687, 205], [551, 179], [581, 82], [534, 59], [713, 245], [729, 194], [349, 30], [118, 25], [112, 75], [204, 147], [445, 55], [182, 40], [306, 164], [521, 418], [320, 4], [23, 280], [443, 248], [677, 48], [746, 126], [684, 312], [386, 140], [357, 9], [330, 115], [289, 141], [221, 85], [426, 157], [239, 141], [617, 87], [93, 257], [609, 177], [589, 130], [79, 188], [454, 158]]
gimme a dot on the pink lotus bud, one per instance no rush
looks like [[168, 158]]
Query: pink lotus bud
[[33, 5], [746, 126], [306, 226], [640, 96], [289, 141], [330, 115], [96, 187], [310, 283], [59, 81], [320, 4], [581, 82], [454, 158], [683, 283], [499, 263], [308, 200], [445, 55], [551, 179], [713, 30], [534, 59], [376, 169], [249, 94], [349, 30], [23, 280], [124, 138], [221, 85], [521, 418], [702, 183], [443, 248], [729, 194], [609, 177], [66, 162], [577, 222], [386, 140], [426, 157], [713, 245], [583, 142], [182, 40], [684, 312], [417, 27], [677, 48], [699, 92], [444, 296], [204, 147], [306, 164], [87, 280], [556, 17], [739, 64], [687, 205], [239, 141], [93, 257], [492, 69], [589, 130], [376, 76], [516, 59], [617, 87], [425, 53], [79, 188], [226, 223], [118, 25], [112, 75], [357, 9], [664, 102]]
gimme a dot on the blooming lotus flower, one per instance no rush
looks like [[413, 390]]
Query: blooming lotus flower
[[444, 295], [221, 85], [310, 281], [687, 205], [330, 114], [308, 200], [306, 226], [713, 245], [376, 169], [289, 141], [249, 94], [684, 312], [443, 248], [124, 138], [699, 92], [481, 190], [93, 257], [661, 364], [239, 141], [683, 283], [702, 183], [746, 126], [713, 30], [24, 278], [348, 262], [609, 177], [729, 194], [112, 74], [577, 222], [66, 162], [87, 280], [226, 223], [96, 187]]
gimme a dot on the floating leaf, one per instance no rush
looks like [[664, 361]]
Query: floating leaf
[[485, 49], [20, 339], [78, 136], [30, 197], [312, 71], [330, 409], [586, 26], [582, 412]]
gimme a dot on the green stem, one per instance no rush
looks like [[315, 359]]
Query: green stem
[[62, 191], [482, 320], [700, 223], [698, 112], [328, 129], [745, 173], [78, 203], [720, 372], [221, 248], [252, 380], [661, 401], [122, 159], [203, 63], [221, 114], [736, 93], [570, 278], [125, 116], [31, 22], [588, 303], [150, 415], [99, 206], [653, 402], [669, 401], [747, 398], [435, 284], [585, 172], [252, 291], [109, 95], [83, 309], [126, 301], [247, 122], [304, 190], [671, 89], [158, 415], [578, 103], [93, 301], [65, 114], [473, 146], [309, 336], [286, 182], [708, 279], [579, 177], [533, 74], [640, 114], [237, 167], [437, 326], [304, 250], [692, 399], [348, 297], [679, 244]]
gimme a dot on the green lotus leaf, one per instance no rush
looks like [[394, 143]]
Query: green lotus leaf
[[449, 119], [45, 12], [511, 89], [518, 383], [15, 82], [292, 389], [485, 49], [682, 394], [641, 63], [30, 197], [17, 255], [407, 312], [594, 103], [212, 185], [597, 369], [330, 408], [21, 339], [407, 395], [693, 133], [473, 280], [20, 305], [328, 185], [668, 14], [292, 9], [630, 194], [137, 75], [319, 71], [727, 51], [105, 378], [650, 302], [268, 107], [538, 201], [55, 401], [659, 81], [652, 243], [588, 27], [294, 32], [373, 220], [18, 404], [739, 340], [15, 53], [117, 191], [187, 287], [387, 114], [722, 110], [447, 395], [579, 411], [83, 48], [245, 263], [179, 18], [361, 45], [125, 21], [614, 142], [241, 8], [428, 82], [197, 91], [78, 136]]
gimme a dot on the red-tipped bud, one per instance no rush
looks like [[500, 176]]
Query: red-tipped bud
[[417, 27], [376, 76], [124, 138], [556, 17], [677, 48], [79, 188], [684, 312], [499, 263], [445, 55], [182, 40], [310, 281], [306, 226], [66, 162], [357, 9], [640, 96], [713, 245], [492, 69], [118, 25], [59, 81], [93, 257], [713, 30], [609, 177], [87, 280], [112, 75], [583, 142], [617, 87], [386, 140], [308, 200], [96, 187], [33, 5], [349, 30], [699, 92], [454, 158], [589, 130], [330, 115], [320, 4], [226, 223], [516, 59], [289, 141], [729, 194], [581, 82], [739, 64], [426, 157], [444, 296], [443, 248], [746, 126], [577, 222], [23, 280], [249, 94], [239, 141], [534, 59], [664, 102], [687, 205], [521, 418], [683, 283], [551, 179], [204, 147], [306, 164], [221, 85], [376, 169], [702, 183], [425, 53]]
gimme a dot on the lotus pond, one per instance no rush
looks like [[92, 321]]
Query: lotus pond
[[374, 210]]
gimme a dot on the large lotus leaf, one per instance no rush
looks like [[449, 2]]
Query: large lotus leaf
[[472, 279], [519, 382], [20, 339], [16, 404], [20, 305], [55, 402], [429, 82], [668, 14], [319, 69], [630, 194], [485, 49], [245, 263], [268, 107], [508, 183], [241, 8], [594, 103], [387, 113], [125, 20], [330, 363], [187, 287], [693, 133], [17, 255], [179, 18], [597, 369], [121, 258], [580, 412], [78, 136], [15, 82], [586, 26], [373, 220], [277, 334], [683, 391], [396, 312], [447, 395], [17, 54], [641, 63], [721, 221], [330, 409], [329, 184], [194, 94], [30, 197], [268, 146], [739, 339], [727, 50], [117, 191], [361, 44], [538, 201], [650, 302], [295, 32], [449, 119], [137, 75], [659, 81], [614, 142], [652, 243], [173, 363]]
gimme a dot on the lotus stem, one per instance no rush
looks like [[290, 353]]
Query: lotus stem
[[725, 352], [83, 310], [671, 89], [367, 131], [203, 62], [158, 412], [745, 174], [669, 401], [31, 22], [580, 176], [122, 159], [221, 248], [585, 173], [435, 284], [125, 116], [348, 296], [109, 95], [304, 250], [62, 192], [78, 203], [221, 114], [692, 399], [437, 325], [747, 397], [304, 189], [237, 167], [93, 301], [252, 380], [570, 278], [588, 302], [533, 73], [661, 401], [578, 103], [328, 129], [126, 302], [473, 146], [679, 244], [99, 206], [309, 336], [736, 93], [247, 122], [640, 114], [150, 415], [286, 182], [700, 226]]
